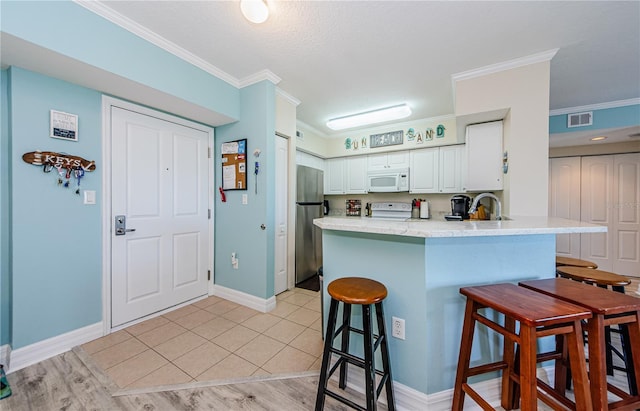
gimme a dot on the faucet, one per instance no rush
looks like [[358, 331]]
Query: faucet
[[479, 197]]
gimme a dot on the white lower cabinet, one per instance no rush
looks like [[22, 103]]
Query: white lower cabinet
[[346, 175]]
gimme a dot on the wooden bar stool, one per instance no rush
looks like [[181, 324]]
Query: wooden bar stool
[[574, 262], [364, 292], [608, 308], [605, 279], [539, 315]]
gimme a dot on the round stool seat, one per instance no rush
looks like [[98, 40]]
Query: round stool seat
[[590, 275], [575, 262], [357, 290]]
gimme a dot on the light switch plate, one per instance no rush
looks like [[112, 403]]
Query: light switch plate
[[245, 199], [89, 197]]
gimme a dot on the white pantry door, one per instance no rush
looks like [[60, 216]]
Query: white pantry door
[[159, 183]]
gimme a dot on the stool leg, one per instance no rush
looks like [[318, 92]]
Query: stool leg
[[633, 331], [581, 388], [346, 323], [386, 363], [326, 354], [369, 363], [597, 362], [464, 358], [509, 387], [628, 359], [608, 351], [528, 361]]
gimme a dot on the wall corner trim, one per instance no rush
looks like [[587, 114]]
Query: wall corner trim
[[42, 350], [248, 300]]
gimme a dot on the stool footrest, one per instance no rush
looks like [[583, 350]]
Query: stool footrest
[[481, 369], [476, 397], [344, 400]]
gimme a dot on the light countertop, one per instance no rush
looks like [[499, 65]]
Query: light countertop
[[467, 228]]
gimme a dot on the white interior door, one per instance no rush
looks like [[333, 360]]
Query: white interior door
[[564, 200], [596, 195], [282, 184], [625, 229], [159, 184]]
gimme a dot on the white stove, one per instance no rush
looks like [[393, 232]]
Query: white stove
[[391, 210]]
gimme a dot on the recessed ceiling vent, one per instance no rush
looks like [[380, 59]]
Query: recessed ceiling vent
[[580, 119]]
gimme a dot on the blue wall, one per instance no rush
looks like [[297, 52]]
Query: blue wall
[[51, 280], [237, 226], [73, 31], [56, 239], [606, 118]]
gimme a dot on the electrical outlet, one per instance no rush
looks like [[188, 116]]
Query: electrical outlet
[[397, 327], [245, 199]]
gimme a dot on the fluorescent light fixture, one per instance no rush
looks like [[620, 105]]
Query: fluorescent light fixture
[[599, 138], [370, 117], [256, 11]]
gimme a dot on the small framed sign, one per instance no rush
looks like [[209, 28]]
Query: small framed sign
[[386, 139], [63, 125]]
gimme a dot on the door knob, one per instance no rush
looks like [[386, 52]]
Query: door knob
[[121, 225]]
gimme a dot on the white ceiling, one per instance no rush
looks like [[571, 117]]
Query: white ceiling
[[341, 57]]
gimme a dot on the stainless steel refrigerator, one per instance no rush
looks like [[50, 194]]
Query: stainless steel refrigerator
[[309, 205]]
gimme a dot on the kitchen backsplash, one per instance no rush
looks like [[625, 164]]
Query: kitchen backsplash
[[439, 204]]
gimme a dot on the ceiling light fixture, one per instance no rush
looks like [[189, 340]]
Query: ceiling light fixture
[[256, 11], [599, 138], [370, 117]]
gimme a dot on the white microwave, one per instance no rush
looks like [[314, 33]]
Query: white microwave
[[388, 181]]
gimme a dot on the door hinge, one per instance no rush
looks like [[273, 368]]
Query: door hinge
[[209, 214], [209, 152], [208, 275]]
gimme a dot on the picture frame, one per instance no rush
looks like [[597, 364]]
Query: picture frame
[[63, 126]]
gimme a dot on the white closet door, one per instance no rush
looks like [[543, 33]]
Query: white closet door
[[596, 195], [625, 227], [564, 200]]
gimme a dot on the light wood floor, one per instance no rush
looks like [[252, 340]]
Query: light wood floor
[[66, 382]]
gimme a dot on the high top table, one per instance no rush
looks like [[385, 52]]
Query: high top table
[[608, 308]]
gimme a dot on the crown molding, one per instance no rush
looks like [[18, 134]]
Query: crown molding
[[288, 96], [258, 77], [118, 19], [506, 65], [592, 107]]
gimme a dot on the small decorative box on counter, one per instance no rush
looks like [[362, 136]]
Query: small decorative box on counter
[[354, 208]]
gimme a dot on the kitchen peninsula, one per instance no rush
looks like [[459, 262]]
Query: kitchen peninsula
[[423, 264]]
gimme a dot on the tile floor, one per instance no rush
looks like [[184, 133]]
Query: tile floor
[[214, 339]]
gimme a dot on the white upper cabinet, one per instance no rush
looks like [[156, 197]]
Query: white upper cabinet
[[451, 168], [382, 161], [484, 157], [423, 177], [346, 175], [334, 176], [437, 169], [356, 177]]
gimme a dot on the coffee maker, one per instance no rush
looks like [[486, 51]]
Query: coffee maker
[[460, 206]]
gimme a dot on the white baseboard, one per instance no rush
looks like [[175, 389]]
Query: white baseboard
[[409, 399], [5, 355], [248, 300], [31, 354]]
